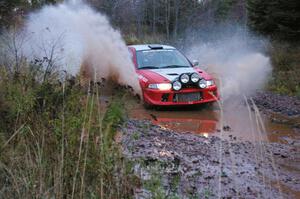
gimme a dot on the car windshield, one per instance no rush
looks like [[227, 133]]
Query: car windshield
[[153, 59]]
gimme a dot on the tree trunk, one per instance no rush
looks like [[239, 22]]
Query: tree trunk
[[167, 19], [154, 16], [176, 6], [139, 15]]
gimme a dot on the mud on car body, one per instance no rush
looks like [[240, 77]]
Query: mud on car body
[[167, 77]]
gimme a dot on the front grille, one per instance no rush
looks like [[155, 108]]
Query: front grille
[[190, 86], [187, 97]]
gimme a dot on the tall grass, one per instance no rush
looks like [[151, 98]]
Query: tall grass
[[57, 140], [286, 68]]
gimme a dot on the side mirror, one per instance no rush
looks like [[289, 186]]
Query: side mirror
[[195, 63]]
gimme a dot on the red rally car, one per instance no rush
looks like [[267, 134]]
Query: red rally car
[[167, 77]]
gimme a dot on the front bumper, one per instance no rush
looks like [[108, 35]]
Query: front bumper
[[166, 98]]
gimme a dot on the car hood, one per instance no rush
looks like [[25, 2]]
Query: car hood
[[173, 73], [168, 74]]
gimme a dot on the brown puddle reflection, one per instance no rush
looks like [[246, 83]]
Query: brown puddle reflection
[[188, 125], [196, 120], [205, 121], [282, 129]]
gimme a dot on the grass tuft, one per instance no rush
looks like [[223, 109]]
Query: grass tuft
[[286, 69]]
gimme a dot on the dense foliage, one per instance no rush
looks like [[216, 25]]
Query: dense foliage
[[12, 11], [277, 18], [169, 18]]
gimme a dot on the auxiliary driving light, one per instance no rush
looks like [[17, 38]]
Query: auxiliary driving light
[[177, 85], [184, 78], [202, 83], [195, 77], [210, 83]]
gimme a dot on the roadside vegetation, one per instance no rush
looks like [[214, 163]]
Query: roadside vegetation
[[286, 69], [57, 140]]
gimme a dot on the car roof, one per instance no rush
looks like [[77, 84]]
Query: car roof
[[148, 46]]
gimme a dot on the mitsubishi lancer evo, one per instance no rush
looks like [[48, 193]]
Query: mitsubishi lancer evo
[[168, 78]]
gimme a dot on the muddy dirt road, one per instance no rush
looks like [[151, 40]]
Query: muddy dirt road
[[205, 120], [214, 152]]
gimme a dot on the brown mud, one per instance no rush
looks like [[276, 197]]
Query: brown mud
[[281, 104], [193, 166], [260, 159], [205, 120], [197, 152]]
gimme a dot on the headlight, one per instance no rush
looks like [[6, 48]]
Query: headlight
[[177, 85], [210, 82], [162, 86], [184, 78], [195, 77], [202, 83]]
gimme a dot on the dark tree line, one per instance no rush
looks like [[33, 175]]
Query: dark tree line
[[171, 18], [277, 18], [11, 11]]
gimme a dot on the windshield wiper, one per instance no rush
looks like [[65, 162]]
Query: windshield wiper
[[174, 66], [149, 67]]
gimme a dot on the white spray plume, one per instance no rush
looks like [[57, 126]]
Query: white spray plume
[[80, 37], [235, 59]]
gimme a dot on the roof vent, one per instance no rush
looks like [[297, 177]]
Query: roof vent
[[172, 74], [155, 46]]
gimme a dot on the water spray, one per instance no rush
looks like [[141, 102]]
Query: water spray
[[79, 39], [236, 59]]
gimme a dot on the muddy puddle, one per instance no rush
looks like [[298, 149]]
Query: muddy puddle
[[202, 121], [234, 120], [238, 124]]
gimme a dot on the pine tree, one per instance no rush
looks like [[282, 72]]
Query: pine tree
[[277, 18], [287, 18], [7, 10]]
